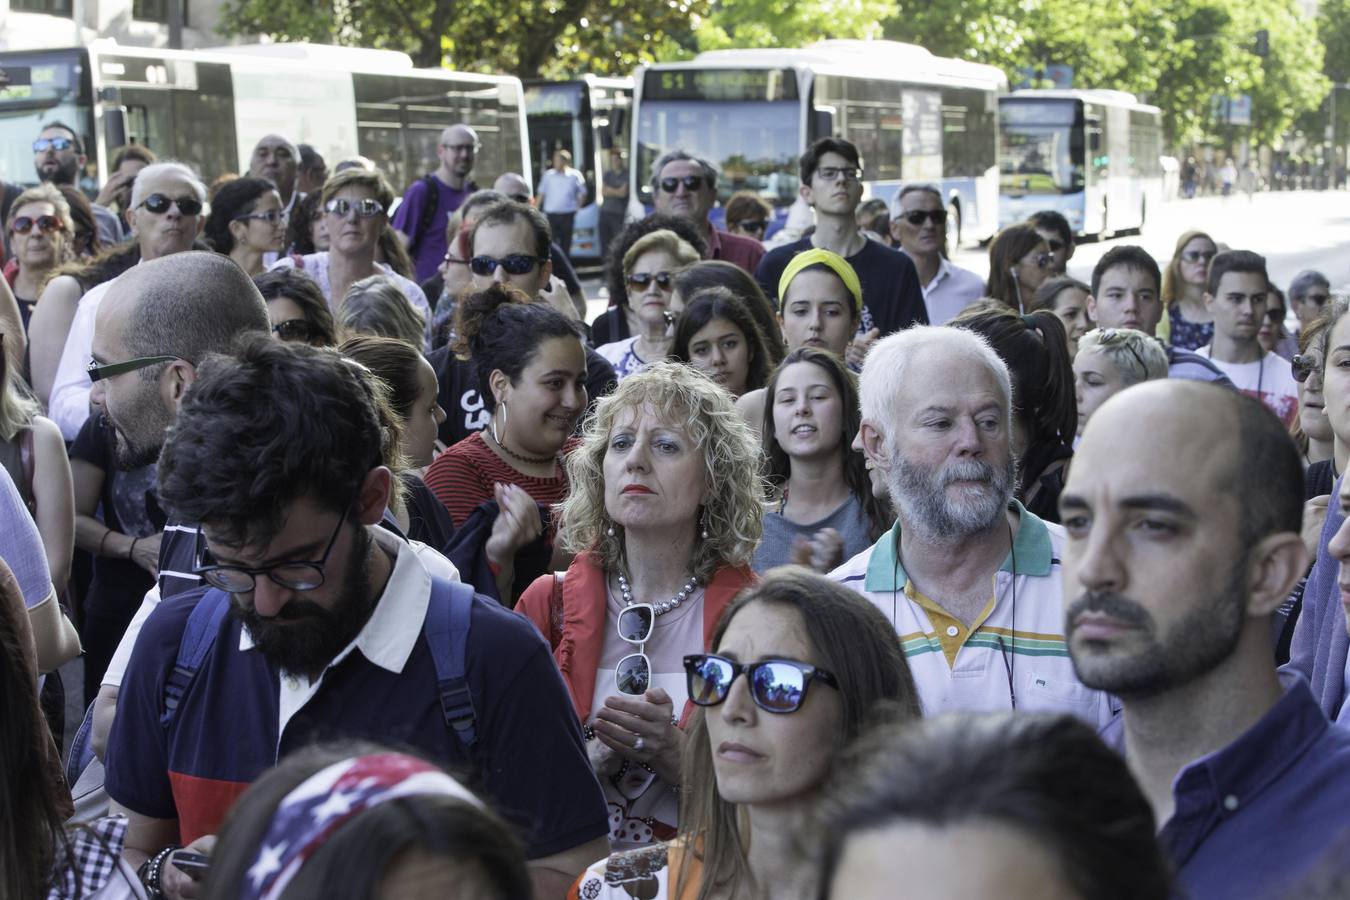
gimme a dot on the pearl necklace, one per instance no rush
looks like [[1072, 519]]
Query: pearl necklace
[[659, 608]]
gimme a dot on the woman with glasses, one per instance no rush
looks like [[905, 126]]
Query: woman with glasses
[[1273, 336], [1188, 325], [1019, 263], [1110, 360], [40, 229], [246, 222], [296, 309], [649, 267], [356, 204], [1312, 429], [664, 515], [620, 320], [748, 215], [799, 667]]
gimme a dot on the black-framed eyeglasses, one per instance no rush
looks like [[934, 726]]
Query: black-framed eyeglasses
[[42, 145], [97, 372], [1195, 256], [776, 685], [295, 576], [690, 182], [1304, 364], [916, 217], [830, 173], [515, 264], [664, 280], [44, 224], [1055, 245], [633, 674], [271, 217], [160, 203], [294, 330], [367, 208]]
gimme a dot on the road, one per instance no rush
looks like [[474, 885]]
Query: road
[[1294, 230]]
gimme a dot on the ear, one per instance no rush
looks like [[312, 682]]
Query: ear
[[895, 230], [804, 191], [1276, 564], [545, 273], [237, 230], [1092, 307], [178, 378], [874, 445], [373, 496], [1209, 300], [499, 383]]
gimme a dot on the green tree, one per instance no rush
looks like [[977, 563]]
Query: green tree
[[785, 23]]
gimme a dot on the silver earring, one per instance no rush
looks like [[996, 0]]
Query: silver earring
[[704, 533], [496, 437], [609, 532]]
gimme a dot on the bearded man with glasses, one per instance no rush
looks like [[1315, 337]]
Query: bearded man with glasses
[[686, 185]]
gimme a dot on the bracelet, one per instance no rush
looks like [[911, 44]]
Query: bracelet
[[588, 732], [107, 533], [152, 869], [131, 551]]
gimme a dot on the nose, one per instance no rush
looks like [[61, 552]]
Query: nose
[[1098, 564], [573, 397], [802, 406], [439, 415], [636, 460], [1078, 392], [97, 394], [739, 708], [716, 358], [499, 274], [269, 597], [968, 441], [817, 323]]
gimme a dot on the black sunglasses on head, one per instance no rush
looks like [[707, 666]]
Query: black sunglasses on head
[[776, 685], [160, 203], [690, 182]]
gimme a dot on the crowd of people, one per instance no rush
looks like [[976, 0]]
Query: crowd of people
[[393, 576]]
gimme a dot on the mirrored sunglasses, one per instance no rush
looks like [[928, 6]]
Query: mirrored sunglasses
[[776, 685], [368, 208], [664, 280], [44, 224]]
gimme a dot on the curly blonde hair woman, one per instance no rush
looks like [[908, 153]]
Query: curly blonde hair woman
[[664, 513]]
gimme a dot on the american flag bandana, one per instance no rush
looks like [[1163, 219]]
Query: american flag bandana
[[326, 800]]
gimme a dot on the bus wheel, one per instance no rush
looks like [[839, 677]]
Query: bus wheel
[[953, 225]]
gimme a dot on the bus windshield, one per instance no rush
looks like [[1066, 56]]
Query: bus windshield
[[42, 87], [1040, 149], [754, 144]]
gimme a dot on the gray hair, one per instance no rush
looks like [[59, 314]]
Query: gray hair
[[915, 188], [378, 306], [1305, 281], [677, 155], [43, 193], [164, 167], [885, 369]]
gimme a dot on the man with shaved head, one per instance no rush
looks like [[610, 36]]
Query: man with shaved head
[[276, 159], [429, 201], [1171, 575]]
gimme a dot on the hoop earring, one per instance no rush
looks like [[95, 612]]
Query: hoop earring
[[495, 436]]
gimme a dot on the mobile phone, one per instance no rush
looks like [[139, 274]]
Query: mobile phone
[[193, 865], [12, 75]]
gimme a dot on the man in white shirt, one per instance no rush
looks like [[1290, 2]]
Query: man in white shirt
[[1235, 293], [919, 227], [166, 216], [562, 191]]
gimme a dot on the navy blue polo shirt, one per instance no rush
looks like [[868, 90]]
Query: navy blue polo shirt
[[1253, 818], [529, 762]]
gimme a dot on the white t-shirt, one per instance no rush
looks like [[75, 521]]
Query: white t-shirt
[[1270, 380]]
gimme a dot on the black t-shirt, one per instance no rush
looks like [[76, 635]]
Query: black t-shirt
[[428, 520], [892, 295], [465, 412], [1319, 479]]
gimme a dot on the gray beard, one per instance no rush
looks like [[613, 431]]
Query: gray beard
[[920, 496]]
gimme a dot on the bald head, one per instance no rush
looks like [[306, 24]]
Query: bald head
[[456, 150], [276, 159], [513, 186]]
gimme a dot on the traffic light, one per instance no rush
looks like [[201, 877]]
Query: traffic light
[[1262, 43]]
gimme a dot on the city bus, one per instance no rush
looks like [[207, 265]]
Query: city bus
[[1094, 156], [585, 117], [209, 107], [915, 118]]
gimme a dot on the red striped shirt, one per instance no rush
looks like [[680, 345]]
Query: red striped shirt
[[463, 477]]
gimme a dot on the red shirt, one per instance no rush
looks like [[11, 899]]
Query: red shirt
[[734, 248], [463, 477]]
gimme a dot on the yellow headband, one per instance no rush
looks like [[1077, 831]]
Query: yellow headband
[[836, 263]]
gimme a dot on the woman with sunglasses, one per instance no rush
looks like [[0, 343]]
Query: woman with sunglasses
[[296, 309], [748, 215], [1019, 262], [39, 229], [1312, 429], [1273, 336], [1188, 325], [246, 222], [620, 320], [649, 269], [1108, 361], [356, 203], [664, 515], [800, 666]]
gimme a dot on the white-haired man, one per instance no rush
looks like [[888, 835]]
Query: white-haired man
[[166, 216], [968, 576]]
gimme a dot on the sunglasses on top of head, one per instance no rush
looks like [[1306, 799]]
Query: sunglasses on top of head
[[515, 264], [160, 203], [776, 685], [44, 224]]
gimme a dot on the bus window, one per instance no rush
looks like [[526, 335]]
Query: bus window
[[57, 91], [1038, 153], [203, 123]]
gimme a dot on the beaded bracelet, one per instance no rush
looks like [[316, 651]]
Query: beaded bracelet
[[153, 869]]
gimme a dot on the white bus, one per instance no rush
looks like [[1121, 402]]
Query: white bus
[[915, 118], [1094, 156], [209, 107], [585, 117]]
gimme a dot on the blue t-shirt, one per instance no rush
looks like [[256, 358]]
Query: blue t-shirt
[[428, 247], [529, 762]]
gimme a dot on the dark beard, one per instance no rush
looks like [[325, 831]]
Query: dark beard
[[318, 634]]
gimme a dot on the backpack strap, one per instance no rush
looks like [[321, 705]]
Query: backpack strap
[[447, 632], [428, 217], [200, 633]]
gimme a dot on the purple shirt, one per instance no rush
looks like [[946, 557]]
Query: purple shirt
[[428, 248]]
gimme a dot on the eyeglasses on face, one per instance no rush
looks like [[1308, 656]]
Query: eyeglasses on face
[[1197, 256], [776, 685], [690, 182], [368, 208], [1304, 364], [664, 280], [520, 198], [916, 217], [271, 217], [44, 224], [756, 225], [1275, 315], [294, 330], [295, 576], [160, 203], [98, 372], [1041, 260], [42, 145], [830, 173], [515, 264]]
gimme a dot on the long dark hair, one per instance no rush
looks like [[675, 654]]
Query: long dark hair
[[300, 226], [355, 858], [235, 198], [856, 643], [501, 329], [1009, 246], [777, 464], [719, 273], [720, 303], [1048, 777], [85, 242]]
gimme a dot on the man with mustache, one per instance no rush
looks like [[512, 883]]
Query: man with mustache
[[1171, 574], [968, 576]]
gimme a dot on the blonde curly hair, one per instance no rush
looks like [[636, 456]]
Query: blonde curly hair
[[734, 509]]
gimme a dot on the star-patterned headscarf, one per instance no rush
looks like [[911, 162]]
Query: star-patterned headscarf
[[325, 801]]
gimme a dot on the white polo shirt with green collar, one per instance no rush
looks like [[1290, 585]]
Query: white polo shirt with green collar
[[1014, 653]]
